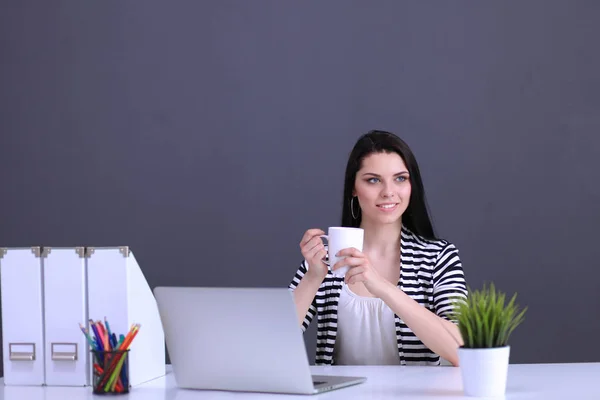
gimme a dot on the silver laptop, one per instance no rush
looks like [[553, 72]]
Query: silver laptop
[[239, 339]]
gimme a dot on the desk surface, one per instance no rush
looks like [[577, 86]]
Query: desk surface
[[525, 381]]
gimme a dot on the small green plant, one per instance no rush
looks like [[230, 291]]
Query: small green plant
[[484, 320]]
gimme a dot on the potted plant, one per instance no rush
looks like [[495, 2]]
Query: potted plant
[[486, 321]]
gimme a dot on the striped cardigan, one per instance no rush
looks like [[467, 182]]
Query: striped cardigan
[[430, 272]]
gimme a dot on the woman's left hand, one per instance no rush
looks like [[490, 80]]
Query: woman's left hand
[[360, 270]]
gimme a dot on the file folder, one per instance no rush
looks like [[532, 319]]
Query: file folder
[[118, 290], [65, 307], [22, 318]]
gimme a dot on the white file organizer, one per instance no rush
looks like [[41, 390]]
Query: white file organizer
[[22, 317], [118, 290], [47, 292], [65, 306]]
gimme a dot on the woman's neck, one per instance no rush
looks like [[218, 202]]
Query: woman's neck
[[381, 240]]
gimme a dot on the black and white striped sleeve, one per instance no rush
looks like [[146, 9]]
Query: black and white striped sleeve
[[312, 310], [448, 281]]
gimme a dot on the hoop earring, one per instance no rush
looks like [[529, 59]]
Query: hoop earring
[[352, 208]]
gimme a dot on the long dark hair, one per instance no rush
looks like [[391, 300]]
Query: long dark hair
[[416, 217]]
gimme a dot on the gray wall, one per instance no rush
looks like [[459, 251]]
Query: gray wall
[[209, 135]]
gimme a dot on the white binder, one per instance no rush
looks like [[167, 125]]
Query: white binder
[[118, 290], [65, 307], [22, 318]]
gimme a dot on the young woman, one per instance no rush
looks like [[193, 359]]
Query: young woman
[[393, 305]]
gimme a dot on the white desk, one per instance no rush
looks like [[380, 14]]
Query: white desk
[[525, 381]]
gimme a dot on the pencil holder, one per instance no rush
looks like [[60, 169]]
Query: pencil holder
[[111, 371]]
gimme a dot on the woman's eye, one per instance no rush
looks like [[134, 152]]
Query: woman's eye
[[398, 179]]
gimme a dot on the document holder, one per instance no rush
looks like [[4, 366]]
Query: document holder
[[22, 318], [48, 292], [65, 306], [118, 290]]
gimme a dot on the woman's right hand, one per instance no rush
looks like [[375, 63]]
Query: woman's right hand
[[314, 252]]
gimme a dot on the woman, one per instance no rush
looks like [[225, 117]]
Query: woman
[[393, 305]]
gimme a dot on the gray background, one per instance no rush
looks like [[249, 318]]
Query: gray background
[[209, 135]]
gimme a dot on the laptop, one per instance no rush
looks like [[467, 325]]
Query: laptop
[[239, 339]]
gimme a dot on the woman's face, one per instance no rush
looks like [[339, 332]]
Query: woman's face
[[383, 188]]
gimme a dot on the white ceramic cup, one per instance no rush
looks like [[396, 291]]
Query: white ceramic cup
[[339, 238]]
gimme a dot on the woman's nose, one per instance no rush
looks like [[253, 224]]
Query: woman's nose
[[387, 192]]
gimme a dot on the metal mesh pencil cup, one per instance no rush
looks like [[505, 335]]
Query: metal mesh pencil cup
[[110, 371]]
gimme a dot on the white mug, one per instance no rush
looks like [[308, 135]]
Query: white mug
[[339, 238]]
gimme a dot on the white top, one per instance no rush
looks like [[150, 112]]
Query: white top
[[366, 333], [525, 381]]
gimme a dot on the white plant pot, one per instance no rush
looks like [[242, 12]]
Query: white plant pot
[[484, 371]]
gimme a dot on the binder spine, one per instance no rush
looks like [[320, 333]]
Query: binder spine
[[82, 253], [42, 253]]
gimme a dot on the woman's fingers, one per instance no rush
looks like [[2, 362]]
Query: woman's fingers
[[355, 275], [349, 261], [310, 234], [312, 252]]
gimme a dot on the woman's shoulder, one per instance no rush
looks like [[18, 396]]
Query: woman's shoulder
[[418, 242], [432, 253]]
